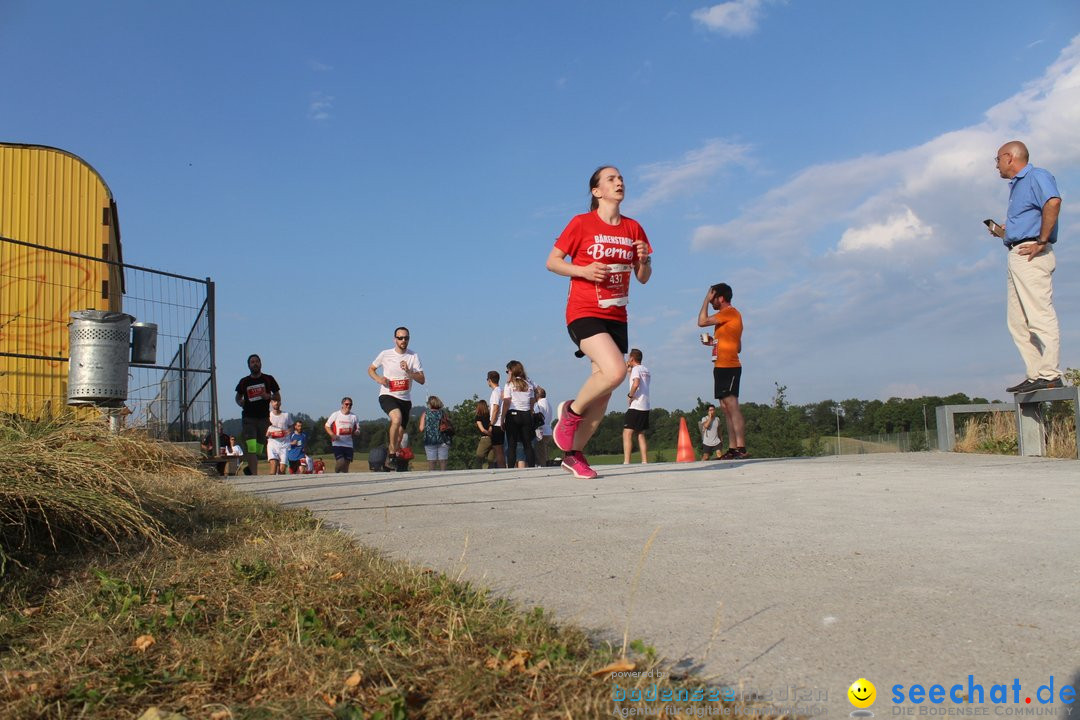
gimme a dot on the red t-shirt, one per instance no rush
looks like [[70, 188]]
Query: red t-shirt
[[588, 239]]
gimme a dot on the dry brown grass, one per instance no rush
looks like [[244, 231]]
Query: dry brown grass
[[66, 480], [995, 433], [237, 608], [1061, 438], [991, 433]]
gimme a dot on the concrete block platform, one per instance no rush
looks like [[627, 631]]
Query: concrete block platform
[[915, 568]]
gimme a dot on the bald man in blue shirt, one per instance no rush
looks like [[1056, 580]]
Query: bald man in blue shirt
[[1029, 234]]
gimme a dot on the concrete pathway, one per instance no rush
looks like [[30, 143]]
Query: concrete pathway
[[918, 568]]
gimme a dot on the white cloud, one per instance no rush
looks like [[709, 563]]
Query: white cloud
[[319, 67], [664, 180], [738, 17], [874, 274], [320, 106], [904, 228], [933, 179]]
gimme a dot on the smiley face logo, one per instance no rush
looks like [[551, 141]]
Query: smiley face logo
[[862, 693]]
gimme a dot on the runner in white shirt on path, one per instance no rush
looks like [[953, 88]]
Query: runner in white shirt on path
[[277, 447], [400, 367], [341, 426]]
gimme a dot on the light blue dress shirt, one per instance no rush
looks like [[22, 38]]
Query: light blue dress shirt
[[1028, 192]]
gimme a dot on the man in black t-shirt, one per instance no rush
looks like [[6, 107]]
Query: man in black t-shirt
[[254, 393]]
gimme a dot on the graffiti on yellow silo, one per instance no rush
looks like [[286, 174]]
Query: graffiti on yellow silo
[[51, 203]]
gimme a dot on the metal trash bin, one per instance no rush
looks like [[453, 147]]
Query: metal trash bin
[[143, 343], [100, 343]]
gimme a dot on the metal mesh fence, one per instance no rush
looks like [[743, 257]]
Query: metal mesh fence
[[174, 398], [914, 441]]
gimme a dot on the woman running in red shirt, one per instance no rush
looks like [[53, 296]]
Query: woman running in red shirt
[[598, 251]]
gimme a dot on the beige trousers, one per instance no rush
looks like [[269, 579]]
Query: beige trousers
[[1031, 317]]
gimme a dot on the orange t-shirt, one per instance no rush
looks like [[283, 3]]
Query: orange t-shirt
[[728, 334]]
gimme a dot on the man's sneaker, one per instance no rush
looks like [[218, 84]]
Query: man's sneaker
[[578, 466], [1043, 384], [1019, 387], [566, 425]]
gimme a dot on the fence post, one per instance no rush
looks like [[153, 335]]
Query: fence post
[[182, 356], [946, 435], [211, 330]]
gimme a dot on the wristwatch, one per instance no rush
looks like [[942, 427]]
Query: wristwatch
[[647, 260]]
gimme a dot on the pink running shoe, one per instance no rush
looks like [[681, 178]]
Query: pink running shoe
[[566, 425], [578, 466]]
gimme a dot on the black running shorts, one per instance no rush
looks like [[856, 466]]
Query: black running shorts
[[586, 327], [636, 420], [726, 382], [389, 403]]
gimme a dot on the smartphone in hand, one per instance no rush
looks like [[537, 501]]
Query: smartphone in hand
[[993, 226]]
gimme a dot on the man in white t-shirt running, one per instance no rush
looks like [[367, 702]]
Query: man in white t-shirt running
[[400, 368], [637, 415], [341, 426]]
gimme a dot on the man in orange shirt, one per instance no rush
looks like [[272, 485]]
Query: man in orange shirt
[[728, 370]]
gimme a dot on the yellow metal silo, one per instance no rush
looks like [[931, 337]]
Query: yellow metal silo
[[50, 199]]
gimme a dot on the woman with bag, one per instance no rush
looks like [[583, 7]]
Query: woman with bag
[[433, 425], [519, 397]]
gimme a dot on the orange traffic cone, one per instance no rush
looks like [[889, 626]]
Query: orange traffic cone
[[685, 449]]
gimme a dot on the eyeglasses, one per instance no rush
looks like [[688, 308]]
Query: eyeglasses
[[347, 404], [398, 337], [997, 158]]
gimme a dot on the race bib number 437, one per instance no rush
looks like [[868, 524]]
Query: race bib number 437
[[613, 291]]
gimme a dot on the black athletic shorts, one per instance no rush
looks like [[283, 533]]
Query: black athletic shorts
[[342, 453], [254, 428], [498, 436], [636, 420], [586, 327], [389, 403], [726, 382]]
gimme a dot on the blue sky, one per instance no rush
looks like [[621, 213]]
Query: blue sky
[[414, 161]]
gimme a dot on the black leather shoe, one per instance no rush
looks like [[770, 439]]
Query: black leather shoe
[[1019, 387], [1043, 384]]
